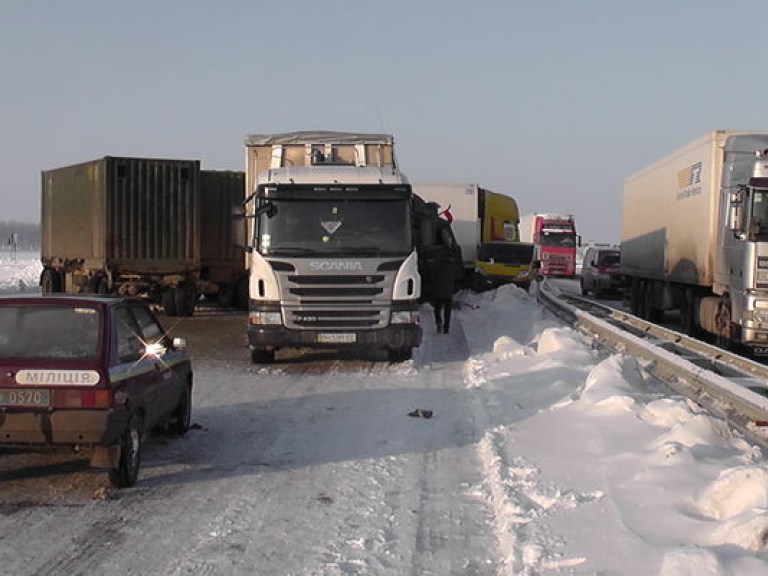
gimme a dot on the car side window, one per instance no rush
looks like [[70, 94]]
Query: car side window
[[151, 330], [129, 346]]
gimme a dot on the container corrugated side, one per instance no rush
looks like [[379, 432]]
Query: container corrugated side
[[153, 215], [221, 258]]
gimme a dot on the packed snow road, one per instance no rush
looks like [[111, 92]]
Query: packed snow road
[[506, 447]]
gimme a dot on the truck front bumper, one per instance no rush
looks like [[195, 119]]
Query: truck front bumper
[[392, 337]]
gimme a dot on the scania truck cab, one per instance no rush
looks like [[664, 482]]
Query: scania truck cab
[[333, 261]]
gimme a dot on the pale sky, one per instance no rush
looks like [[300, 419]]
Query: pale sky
[[551, 102]]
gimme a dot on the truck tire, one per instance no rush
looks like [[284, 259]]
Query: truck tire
[[262, 356], [51, 281], [169, 301], [185, 295], [402, 354], [127, 471], [97, 284], [241, 296]]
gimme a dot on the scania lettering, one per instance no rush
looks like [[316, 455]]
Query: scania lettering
[[353, 266]]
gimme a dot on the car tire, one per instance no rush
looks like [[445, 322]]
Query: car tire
[[182, 415], [584, 290], [127, 472], [262, 356]]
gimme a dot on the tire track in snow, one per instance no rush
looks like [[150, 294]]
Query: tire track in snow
[[514, 498]]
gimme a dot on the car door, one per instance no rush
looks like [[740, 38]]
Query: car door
[[138, 373], [169, 382]]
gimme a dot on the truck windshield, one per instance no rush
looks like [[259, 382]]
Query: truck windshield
[[511, 253], [563, 238], [758, 221], [338, 226]]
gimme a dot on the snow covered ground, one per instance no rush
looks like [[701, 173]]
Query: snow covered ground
[[541, 456], [19, 272]]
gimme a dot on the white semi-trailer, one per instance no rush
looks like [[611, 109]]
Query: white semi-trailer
[[694, 238]]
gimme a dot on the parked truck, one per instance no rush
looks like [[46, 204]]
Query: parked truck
[[223, 275], [556, 241], [694, 238], [336, 236], [124, 226], [485, 225]]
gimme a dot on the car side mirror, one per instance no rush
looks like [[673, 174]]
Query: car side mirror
[[179, 343]]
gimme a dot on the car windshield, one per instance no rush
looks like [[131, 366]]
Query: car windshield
[[348, 226], [608, 259], [49, 331]]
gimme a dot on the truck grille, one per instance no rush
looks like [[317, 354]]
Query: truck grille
[[336, 301]]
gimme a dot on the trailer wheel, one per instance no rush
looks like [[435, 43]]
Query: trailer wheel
[[97, 284], [688, 313], [185, 295], [169, 301], [50, 281]]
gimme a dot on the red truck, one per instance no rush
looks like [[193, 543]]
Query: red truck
[[556, 240]]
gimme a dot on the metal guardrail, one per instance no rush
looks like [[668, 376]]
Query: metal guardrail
[[730, 385]]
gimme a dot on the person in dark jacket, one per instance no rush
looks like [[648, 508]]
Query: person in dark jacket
[[440, 287]]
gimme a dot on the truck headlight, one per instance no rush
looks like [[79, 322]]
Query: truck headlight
[[264, 318], [760, 316], [404, 317]]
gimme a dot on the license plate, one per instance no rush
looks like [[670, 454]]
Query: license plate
[[336, 338], [29, 397]]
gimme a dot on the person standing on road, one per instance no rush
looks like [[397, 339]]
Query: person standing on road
[[442, 285]]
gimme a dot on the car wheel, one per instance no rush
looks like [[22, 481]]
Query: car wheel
[[262, 356], [583, 288], [127, 471], [182, 416]]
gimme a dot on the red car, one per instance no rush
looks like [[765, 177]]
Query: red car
[[90, 371]]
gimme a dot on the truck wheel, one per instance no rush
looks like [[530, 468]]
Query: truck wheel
[[127, 471], [262, 356], [97, 285], [50, 281], [400, 354], [241, 296], [185, 295], [169, 301]]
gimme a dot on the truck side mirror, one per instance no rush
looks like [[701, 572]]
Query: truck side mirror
[[238, 231], [736, 210]]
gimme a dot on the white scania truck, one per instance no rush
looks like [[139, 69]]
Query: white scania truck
[[333, 255], [695, 238]]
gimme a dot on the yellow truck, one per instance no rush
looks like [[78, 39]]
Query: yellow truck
[[486, 226]]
